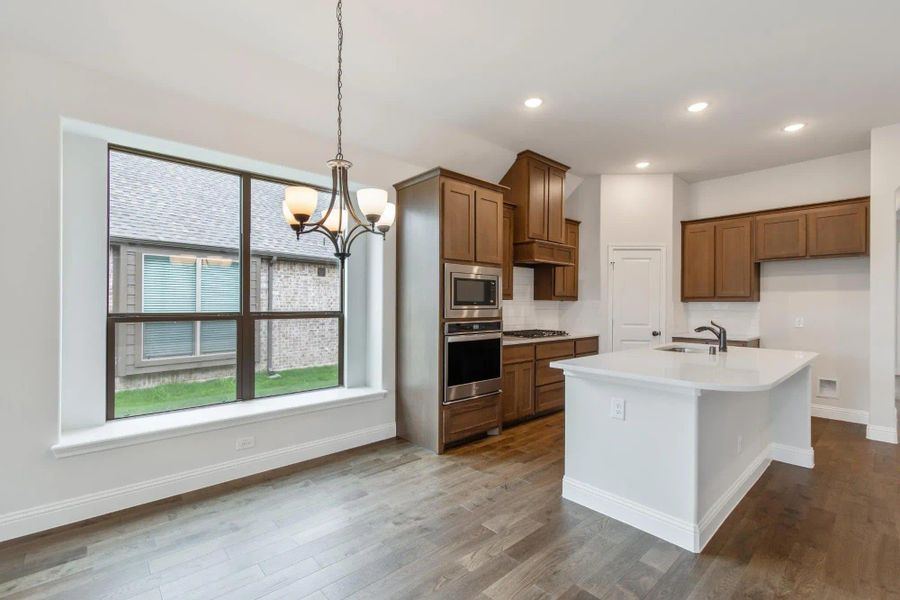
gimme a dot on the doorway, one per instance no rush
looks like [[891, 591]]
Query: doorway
[[637, 283]]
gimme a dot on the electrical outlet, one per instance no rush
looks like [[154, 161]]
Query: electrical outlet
[[243, 443], [798, 321], [617, 408]]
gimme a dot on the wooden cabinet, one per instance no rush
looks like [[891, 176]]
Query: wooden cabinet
[[471, 223], [488, 226], [536, 201], [518, 391], [737, 277], [465, 419], [698, 261], [781, 235], [530, 386], [720, 257], [559, 283], [556, 208], [839, 230], [458, 220], [537, 189], [509, 215]]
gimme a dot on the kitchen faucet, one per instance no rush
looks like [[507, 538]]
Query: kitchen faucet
[[719, 332]]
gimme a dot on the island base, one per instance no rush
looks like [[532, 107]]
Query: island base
[[681, 459]]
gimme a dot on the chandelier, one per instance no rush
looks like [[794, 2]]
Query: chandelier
[[342, 222]]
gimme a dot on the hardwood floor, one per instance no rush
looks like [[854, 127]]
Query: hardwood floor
[[485, 522]]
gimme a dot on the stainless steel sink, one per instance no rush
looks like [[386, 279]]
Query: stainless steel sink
[[684, 349]]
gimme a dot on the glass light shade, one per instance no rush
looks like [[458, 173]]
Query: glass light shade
[[288, 217], [387, 218], [301, 201], [371, 202], [336, 221]]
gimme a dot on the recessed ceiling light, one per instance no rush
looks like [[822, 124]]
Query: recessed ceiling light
[[794, 127], [698, 106], [642, 165], [533, 102]]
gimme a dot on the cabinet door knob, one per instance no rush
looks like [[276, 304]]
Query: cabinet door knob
[[655, 334]]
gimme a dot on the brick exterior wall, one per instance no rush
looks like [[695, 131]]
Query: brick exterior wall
[[297, 286]]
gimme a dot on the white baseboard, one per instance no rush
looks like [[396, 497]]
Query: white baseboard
[[727, 502], [837, 413], [55, 514], [677, 531], [680, 532], [877, 433], [792, 455]]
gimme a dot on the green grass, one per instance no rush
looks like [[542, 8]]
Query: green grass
[[172, 396]]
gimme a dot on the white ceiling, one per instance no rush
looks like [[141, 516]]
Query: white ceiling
[[443, 81]]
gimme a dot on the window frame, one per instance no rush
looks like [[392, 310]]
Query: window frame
[[244, 318]]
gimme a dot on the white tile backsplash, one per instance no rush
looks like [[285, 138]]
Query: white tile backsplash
[[523, 311], [736, 317]]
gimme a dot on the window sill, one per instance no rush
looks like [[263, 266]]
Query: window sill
[[139, 430]]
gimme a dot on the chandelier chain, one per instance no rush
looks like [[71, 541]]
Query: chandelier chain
[[340, 153]]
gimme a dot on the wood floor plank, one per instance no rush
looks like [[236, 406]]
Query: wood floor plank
[[485, 521]]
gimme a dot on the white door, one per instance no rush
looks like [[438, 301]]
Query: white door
[[636, 297]]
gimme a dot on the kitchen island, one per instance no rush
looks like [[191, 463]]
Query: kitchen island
[[669, 442]]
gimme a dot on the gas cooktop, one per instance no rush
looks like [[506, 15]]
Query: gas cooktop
[[535, 333]]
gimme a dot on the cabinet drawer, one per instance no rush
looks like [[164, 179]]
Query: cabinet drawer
[[470, 417], [544, 374], [517, 354], [587, 346], [550, 397], [562, 349]]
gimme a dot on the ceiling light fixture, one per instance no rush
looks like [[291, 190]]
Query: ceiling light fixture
[[698, 107], [642, 164], [300, 202], [794, 127], [533, 102]]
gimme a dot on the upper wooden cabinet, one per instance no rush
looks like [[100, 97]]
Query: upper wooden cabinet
[[781, 235], [737, 277], [698, 261], [509, 215], [720, 257], [488, 226], [559, 283], [839, 230], [458, 220], [538, 190], [471, 221]]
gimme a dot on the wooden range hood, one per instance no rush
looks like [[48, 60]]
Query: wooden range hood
[[537, 189]]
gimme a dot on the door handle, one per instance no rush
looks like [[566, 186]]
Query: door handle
[[655, 334]]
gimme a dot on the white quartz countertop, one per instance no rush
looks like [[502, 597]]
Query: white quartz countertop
[[509, 340], [738, 370], [706, 335]]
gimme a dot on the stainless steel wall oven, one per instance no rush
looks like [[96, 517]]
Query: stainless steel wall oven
[[472, 360]]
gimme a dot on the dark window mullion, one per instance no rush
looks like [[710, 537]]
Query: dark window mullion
[[246, 334]]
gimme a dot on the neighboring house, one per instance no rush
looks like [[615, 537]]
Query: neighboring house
[[174, 243]]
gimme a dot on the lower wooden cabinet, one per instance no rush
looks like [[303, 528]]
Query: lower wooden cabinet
[[550, 397], [530, 386], [471, 417], [736, 344], [518, 391]]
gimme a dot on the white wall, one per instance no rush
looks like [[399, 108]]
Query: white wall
[[619, 210], [831, 295], [40, 490], [885, 186]]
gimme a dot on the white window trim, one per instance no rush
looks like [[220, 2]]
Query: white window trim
[[119, 433]]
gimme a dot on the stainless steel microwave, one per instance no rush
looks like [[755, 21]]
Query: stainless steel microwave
[[472, 291]]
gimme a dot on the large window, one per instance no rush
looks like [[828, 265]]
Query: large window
[[203, 309]]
